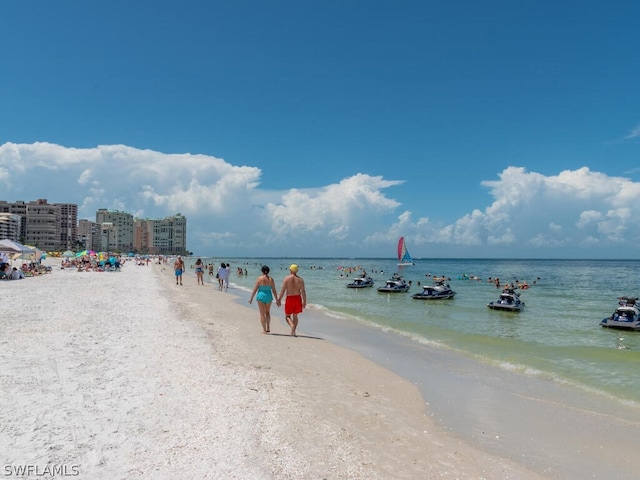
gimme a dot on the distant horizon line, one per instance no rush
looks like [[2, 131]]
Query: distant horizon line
[[416, 259]]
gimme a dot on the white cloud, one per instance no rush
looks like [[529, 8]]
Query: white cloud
[[341, 208], [588, 218], [635, 133], [224, 204], [574, 210], [231, 213]]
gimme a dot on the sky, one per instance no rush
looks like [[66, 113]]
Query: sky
[[492, 129]]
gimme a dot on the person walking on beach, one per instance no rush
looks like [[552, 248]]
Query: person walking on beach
[[293, 288], [200, 271], [265, 291], [178, 267]]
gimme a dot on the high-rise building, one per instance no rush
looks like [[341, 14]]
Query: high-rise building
[[123, 224], [143, 236], [109, 237], [68, 225], [42, 227], [10, 226], [169, 235], [89, 235], [18, 208], [55, 227]]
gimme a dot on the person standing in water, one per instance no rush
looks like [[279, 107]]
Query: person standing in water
[[296, 301], [265, 289]]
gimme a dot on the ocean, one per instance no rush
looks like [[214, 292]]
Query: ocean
[[557, 335]]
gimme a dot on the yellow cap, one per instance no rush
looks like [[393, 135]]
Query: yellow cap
[[293, 268]]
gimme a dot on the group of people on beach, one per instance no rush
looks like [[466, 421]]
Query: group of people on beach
[[224, 271], [292, 290], [10, 273], [222, 275]]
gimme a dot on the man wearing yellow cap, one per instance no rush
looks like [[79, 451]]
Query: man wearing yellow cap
[[293, 287]]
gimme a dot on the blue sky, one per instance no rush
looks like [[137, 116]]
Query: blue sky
[[474, 129]]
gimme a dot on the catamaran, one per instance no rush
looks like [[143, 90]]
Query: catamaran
[[403, 254]]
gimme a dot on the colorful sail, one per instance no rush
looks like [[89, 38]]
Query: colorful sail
[[403, 254]]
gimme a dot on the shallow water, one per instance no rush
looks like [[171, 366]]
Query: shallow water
[[557, 335]]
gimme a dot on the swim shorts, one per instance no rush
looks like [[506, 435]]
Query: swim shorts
[[293, 304], [178, 272]]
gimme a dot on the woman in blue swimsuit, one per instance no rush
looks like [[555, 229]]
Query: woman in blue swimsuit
[[264, 292]]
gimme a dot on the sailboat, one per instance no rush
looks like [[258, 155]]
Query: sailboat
[[403, 254]]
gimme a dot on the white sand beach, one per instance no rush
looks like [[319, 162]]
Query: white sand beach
[[125, 375]]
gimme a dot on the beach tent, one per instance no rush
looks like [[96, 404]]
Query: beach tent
[[11, 246], [36, 255]]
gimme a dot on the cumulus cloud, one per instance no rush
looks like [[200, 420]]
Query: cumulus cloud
[[230, 212], [224, 203], [575, 209], [342, 205], [120, 176]]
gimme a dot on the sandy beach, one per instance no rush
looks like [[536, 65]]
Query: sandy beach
[[126, 375]]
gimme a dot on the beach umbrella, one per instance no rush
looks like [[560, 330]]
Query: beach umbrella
[[81, 254], [68, 254]]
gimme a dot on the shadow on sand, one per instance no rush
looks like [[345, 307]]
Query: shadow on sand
[[297, 336]]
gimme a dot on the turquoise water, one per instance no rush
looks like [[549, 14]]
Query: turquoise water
[[557, 335]]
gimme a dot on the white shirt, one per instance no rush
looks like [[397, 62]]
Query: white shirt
[[17, 275]]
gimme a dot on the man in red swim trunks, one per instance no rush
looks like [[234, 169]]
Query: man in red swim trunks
[[293, 287]]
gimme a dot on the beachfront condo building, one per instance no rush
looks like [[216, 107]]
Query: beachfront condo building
[[119, 231], [68, 225], [47, 226], [143, 235], [161, 236], [109, 237], [42, 225], [17, 208], [89, 234], [120, 225], [56, 227], [10, 226]]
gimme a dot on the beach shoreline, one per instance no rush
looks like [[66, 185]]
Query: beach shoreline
[[506, 413], [361, 406], [127, 375]]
